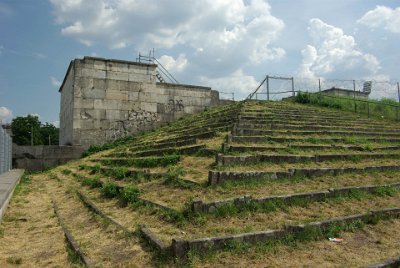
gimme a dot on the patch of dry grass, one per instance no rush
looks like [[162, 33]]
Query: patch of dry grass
[[31, 233], [102, 242], [260, 221]]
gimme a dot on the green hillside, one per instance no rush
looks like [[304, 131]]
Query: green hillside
[[252, 184]]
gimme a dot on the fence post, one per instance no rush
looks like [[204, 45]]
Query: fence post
[[267, 88], [320, 92], [354, 88], [292, 87], [398, 94]]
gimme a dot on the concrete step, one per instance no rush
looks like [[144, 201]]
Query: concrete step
[[309, 118], [315, 122], [219, 177], [227, 160], [186, 150], [94, 238], [264, 139], [264, 132], [161, 145], [313, 147], [308, 126]]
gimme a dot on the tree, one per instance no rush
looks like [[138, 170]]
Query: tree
[[26, 129], [49, 134]]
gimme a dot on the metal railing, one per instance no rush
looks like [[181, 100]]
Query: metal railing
[[227, 95], [5, 151], [162, 72]]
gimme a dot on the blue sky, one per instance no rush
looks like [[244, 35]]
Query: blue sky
[[227, 44]]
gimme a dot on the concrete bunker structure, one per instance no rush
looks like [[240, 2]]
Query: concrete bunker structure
[[105, 99]]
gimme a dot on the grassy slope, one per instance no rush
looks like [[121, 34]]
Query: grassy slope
[[34, 202]]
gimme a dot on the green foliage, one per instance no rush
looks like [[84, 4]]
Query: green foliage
[[146, 162], [173, 173], [49, 134], [28, 128], [358, 194], [97, 148], [237, 246], [129, 194], [22, 126], [384, 108], [66, 172], [119, 142], [386, 191], [96, 169], [109, 189], [14, 260], [173, 216], [150, 162], [92, 182], [309, 233], [119, 173]]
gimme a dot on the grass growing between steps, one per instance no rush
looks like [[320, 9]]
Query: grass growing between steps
[[174, 196], [296, 240], [274, 167], [242, 210], [361, 247]]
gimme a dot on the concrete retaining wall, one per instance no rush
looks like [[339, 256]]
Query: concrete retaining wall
[[5, 151], [40, 157]]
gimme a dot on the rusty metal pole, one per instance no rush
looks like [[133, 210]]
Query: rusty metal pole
[[320, 92], [292, 87], [398, 94], [267, 88], [354, 88]]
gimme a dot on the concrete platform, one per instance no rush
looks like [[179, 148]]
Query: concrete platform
[[8, 182]]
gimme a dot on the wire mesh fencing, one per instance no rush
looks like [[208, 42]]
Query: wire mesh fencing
[[373, 98], [5, 151]]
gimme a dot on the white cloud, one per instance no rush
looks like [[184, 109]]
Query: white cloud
[[238, 82], [226, 34], [335, 54], [55, 82], [382, 17], [174, 65], [5, 114], [56, 124]]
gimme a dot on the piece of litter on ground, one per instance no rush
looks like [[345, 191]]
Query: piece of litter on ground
[[336, 239]]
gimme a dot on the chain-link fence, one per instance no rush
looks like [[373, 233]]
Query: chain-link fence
[[373, 98], [5, 151]]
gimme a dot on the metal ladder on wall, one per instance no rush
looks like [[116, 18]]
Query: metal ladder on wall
[[162, 73]]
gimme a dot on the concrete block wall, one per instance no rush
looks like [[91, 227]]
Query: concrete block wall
[[102, 100], [40, 157], [5, 151]]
